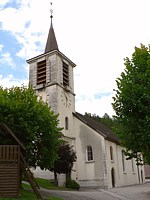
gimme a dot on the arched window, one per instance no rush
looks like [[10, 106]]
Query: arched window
[[123, 160], [66, 123], [111, 154], [89, 153]]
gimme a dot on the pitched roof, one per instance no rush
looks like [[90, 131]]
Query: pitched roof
[[51, 43], [100, 128]]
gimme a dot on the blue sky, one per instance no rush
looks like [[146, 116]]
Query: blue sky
[[96, 35]]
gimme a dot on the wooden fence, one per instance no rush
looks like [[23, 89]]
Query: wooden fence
[[9, 170]]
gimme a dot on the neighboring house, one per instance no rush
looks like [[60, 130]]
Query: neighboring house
[[100, 158]]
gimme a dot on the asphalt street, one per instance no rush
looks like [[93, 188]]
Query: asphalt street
[[135, 192]]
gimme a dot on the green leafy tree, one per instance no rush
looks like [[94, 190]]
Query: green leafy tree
[[109, 121], [93, 116], [132, 103], [65, 161], [105, 119], [33, 122]]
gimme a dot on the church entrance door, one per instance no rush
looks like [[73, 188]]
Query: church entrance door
[[113, 177]]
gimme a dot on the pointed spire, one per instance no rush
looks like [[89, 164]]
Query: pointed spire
[[51, 40]]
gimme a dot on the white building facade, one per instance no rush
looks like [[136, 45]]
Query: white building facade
[[100, 158]]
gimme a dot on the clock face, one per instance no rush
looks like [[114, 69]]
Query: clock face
[[66, 99]]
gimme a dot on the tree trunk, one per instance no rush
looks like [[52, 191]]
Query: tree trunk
[[55, 178], [138, 172], [68, 176]]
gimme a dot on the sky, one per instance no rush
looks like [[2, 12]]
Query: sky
[[96, 35]]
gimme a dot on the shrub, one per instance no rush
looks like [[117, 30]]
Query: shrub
[[72, 184]]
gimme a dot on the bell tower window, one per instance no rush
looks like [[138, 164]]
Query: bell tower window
[[65, 74], [41, 72]]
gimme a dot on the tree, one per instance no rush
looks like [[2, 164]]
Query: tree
[[105, 119], [109, 121], [132, 103], [65, 161], [33, 122]]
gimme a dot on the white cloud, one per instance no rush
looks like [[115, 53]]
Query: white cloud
[[26, 25], [6, 59], [10, 81], [29, 48], [3, 2], [1, 47], [95, 106], [26, 67]]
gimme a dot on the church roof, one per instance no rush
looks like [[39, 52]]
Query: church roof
[[100, 128], [51, 43]]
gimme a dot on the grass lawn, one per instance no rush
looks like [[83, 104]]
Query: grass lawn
[[28, 195], [42, 183], [47, 184], [24, 195]]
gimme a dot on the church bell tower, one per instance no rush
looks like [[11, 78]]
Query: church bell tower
[[51, 75]]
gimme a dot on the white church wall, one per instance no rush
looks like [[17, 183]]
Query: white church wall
[[89, 173], [125, 172], [112, 163]]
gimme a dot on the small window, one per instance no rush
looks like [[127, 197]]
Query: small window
[[123, 160], [41, 72], [111, 154], [66, 123], [65, 74], [89, 153]]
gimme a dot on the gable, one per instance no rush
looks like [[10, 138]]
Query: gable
[[100, 128]]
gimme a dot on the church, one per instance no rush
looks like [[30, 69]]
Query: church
[[101, 162]]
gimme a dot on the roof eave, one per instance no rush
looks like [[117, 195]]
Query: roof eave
[[51, 53]]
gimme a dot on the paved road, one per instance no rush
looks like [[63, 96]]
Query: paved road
[[136, 192]]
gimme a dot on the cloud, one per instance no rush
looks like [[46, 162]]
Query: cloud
[[28, 43], [9, 81], [95, 106], [6, 59], [3, 3], [27, 26], [1, 47], [101, 94]]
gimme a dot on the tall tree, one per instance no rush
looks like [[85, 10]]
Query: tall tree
[[65, 161], [132, 103], [33, 122]]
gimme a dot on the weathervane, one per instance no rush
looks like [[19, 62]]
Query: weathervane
[[51, 11]]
